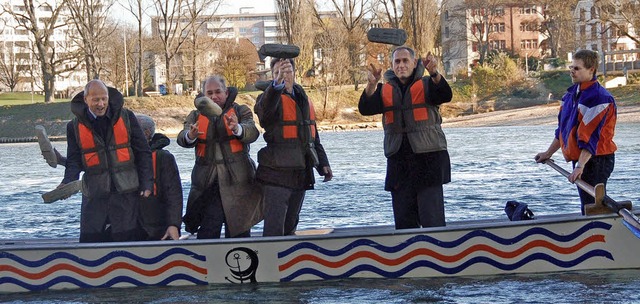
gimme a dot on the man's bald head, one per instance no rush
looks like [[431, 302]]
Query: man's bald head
[[96, 96]]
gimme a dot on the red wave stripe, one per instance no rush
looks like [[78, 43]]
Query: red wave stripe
[[441, 257], [103, 272]]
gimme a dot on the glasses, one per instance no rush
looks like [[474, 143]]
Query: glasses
[[575, 68]]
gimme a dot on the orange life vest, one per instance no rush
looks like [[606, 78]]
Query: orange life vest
[[293, 139], [227, 140], [112, 160], [411, 115]]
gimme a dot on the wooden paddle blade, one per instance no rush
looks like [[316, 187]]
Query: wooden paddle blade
[[387, 35], [62, 193], [45, 147]]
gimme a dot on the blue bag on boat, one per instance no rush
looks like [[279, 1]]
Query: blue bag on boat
[[517, 211]]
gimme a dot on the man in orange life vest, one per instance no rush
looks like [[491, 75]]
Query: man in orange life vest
[[106, 142], [161, 213], [223, 186], [586, 125], [293, 149], [415, 146]]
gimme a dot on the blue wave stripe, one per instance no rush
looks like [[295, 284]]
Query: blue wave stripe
[[102, 260], [110, 283], [453, 270], [443, 244]]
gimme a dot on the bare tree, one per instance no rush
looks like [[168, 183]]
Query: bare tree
[[352, 17], [557, 25], [388, 11], [422, 21], [333, 58], [621, 15], [200, 12], [480, 15], [137, 9], [113, 57], [90, 20], [296, 21], [54, 57], [12, 66], [172, 28], [235, 61]]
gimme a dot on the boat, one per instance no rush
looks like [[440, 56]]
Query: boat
[[550, 243]]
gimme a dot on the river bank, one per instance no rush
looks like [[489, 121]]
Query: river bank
[[18, 125], [529, 116]]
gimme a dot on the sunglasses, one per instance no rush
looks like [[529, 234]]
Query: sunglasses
[[575, 68]]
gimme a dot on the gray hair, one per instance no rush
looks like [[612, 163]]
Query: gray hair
[[216, 78], [147, 124], [410, 50], [93, 82]]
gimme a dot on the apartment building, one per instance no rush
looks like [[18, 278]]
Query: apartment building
[[469, 33], [595, 34], [258, 28], [17, 48]]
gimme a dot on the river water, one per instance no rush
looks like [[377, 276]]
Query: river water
[[490, 166]]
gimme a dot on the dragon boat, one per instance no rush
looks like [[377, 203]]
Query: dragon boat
[[605, 238], [467, 248]]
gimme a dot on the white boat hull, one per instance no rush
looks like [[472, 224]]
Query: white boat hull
[[470, 248]]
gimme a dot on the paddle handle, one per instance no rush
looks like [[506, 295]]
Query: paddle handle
[[582, 184], [628, 217]]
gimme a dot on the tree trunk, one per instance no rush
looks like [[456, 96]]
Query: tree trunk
[[169, 81], [49, 86], [139, 63]]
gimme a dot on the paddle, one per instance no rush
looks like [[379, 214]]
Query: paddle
[[630, 220]]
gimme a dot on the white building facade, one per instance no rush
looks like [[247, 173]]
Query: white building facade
[[17, 45]]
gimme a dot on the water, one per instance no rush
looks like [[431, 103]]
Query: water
[[490, 166]]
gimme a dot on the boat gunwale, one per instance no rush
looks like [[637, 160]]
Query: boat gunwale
[[336, 233]]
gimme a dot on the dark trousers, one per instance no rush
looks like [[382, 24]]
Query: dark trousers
[[281, 210], [113, 218], [596, 171], [213, 217], [415, 207]]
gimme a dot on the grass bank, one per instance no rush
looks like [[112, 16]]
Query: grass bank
[[19, 114]]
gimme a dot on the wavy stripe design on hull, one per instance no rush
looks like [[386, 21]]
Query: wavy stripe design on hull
[[355, 252], [64, 267]]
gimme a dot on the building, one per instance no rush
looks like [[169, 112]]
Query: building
[[470, 33], [258, 28], [17, 49], [597, 31]]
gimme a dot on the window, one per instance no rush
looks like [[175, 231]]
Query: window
[[255, 40], [446, 15], [499, 11], [594, 31], [243, 30], [446, 32], [477, 28], [528, 10], [255, 30], [529, 44], [498, 44], [474, 46], [497, 28]]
